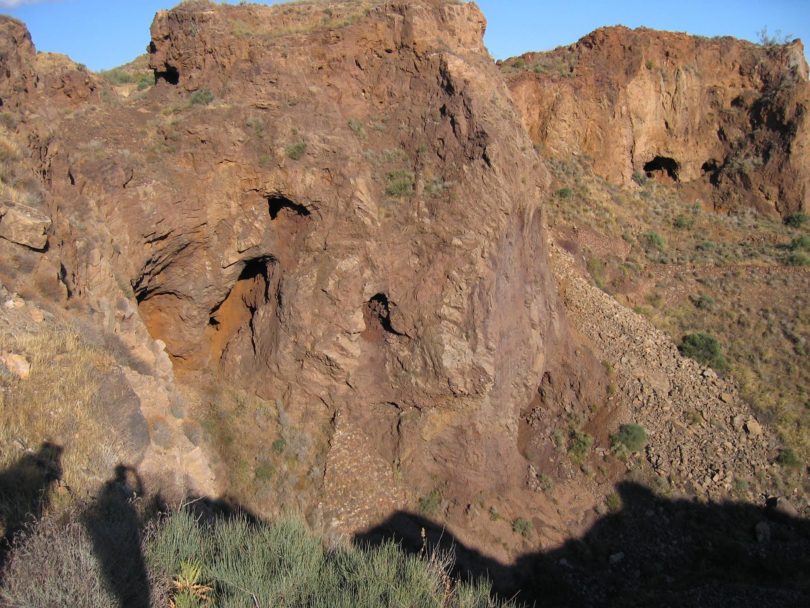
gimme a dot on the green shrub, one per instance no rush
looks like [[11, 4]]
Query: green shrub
[[630, 438], [117, 76], [522, 526], [800, 243], [429, 505], [797, 259], [652, 240], [202, 97], [796, 220], [283, 564], [640, 178], [613, 502], [519, 63], [682, 222], [296, 151], [788, 458], [400, 183], [264, 472], [579, 444], [704, 349], [703, 301], [278, 445], [436, 187], [564, 193], [234, 562], [357, 128]]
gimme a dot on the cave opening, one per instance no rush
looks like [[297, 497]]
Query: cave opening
[[281, 205], [377, 315], [662, 168], [711, 168], [170, 75], [237, 311]]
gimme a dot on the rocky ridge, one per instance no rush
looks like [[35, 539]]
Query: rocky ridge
[[336, 210], [724, 117]]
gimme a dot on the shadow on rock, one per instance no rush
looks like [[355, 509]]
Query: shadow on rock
[[114, 525], [25, 489], [652, 552]]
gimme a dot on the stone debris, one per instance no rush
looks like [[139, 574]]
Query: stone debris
[[702, 436]]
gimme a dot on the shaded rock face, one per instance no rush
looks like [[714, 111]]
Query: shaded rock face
[[334, 207], [726, 116], [392, 250]]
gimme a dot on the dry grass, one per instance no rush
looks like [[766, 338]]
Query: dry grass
[[274, 462], [59, 403]]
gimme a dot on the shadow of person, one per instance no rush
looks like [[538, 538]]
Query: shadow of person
[[114, 526], [25, 491]]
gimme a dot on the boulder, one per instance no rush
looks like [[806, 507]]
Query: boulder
[[24, 225]]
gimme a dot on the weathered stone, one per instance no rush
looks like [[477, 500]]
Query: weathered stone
[[752, 427], [24, 225], [17, 365]]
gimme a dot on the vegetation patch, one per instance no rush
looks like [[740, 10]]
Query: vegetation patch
[[429, 504], [788, 458], [579, 445], [400, 183], [704, 349], [186, 562], [295, 151], [201, 98], [630, 438], [523, 527], [796, 220]]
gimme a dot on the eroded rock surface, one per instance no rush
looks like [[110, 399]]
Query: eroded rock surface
[[727, 116]]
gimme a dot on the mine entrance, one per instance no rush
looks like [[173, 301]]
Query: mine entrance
[[662, 168], [279, 206], [237, 310]]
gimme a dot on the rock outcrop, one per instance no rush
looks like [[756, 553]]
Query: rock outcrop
[[727, 117], [332, 211], [335, 208]]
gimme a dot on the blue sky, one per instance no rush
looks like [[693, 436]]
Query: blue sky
[[105, 33]]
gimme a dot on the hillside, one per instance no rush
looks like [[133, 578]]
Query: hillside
[[329, 260]]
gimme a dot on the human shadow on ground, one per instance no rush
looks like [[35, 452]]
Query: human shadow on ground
[[25, 492], [653, 551], [114, 525]]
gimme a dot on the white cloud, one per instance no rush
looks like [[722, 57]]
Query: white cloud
[[16, 3]]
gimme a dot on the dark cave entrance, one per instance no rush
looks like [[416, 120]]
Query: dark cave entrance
[[171, 75], [237, 311], [711, 168], [377, 316], [279, 206], [662, 168]]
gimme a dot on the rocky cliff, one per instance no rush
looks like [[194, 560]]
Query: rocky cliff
[[314, 259], [726, 117], [333, 208]]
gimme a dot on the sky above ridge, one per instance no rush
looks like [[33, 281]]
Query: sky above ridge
[[105, 33]]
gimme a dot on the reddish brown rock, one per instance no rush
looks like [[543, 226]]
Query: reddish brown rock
[[335, 208], [726, 116]]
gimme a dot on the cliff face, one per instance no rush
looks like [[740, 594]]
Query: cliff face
[[334, 208], [726, 116]]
